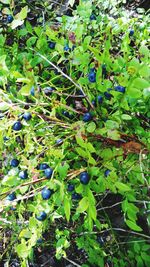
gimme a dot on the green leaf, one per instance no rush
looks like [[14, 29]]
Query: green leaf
[[145, 71], [22, 250], [80, 141], [81, 152], [91, 127], [15, 23], [25, 233], [3, 63], [67, 208], [140, 83], [83, 205], [4, 106], [92, 212], [144, 50], [62, 170], [111, 124], [22, 14], [132, 225], [134, 92], [122, 187], [106, 153], [126, 117]]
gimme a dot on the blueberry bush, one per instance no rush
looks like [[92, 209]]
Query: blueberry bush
[[74, 132]]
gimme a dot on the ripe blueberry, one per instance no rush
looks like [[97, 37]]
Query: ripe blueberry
[[84, 178], [48, 172], [100, 240], [14, 163], [67, 48], [131, 32], [32, 91], [39, 241], [51, 45], [10, 18], [87, 117], [43, 166], [46, 193], [23, 175], [107, 172], [108, 95], [94, 103], [100, 99], [92, 76], [11, 196], [120, 89], [76, 196], [92, 17], [17, 126], [70, 188], [27, 116], [66, 113], [42, 216]]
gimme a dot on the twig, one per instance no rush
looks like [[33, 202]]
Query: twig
[[74, 263], [115, 229], [66, 76], [109, 207], [141, 168]]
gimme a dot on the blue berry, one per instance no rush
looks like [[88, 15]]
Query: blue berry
[[107, 172], [17, 126], [32, 91], [92, 76], [10, 18], [70, 188], [73, 47], [11, 196], [49, 90], [100, 99], [84, 178], [5, 138], [67, 48], [59, 142], [104, 71], [43, 166], [51, 45], [131, 32], [46, 193], [23, 175], [87, 117], [94, 103], [12, 208], [27, 116], [14, 162], [48, 173], [92, 17], [108, 95], [39, 241], [100, 240], [66, 113], [42, 216], [76, 196], [120, 89]]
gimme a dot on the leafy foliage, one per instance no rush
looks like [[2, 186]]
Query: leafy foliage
[[52, 68]]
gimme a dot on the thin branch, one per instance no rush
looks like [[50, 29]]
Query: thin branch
[[74, 263], [66, 76], [109, 207]]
